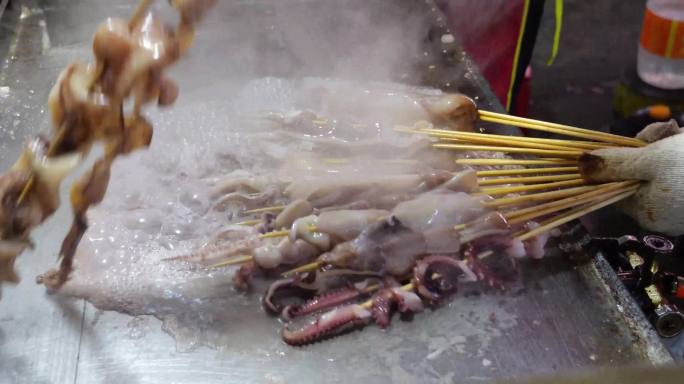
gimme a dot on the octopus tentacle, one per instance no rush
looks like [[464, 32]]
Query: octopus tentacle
[[328, 324]]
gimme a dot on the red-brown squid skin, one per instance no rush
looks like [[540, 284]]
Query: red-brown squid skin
[[327, 325], [436, 277], [388, 298], [318, 303]]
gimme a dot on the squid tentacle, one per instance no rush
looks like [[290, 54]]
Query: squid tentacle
[[325, 301], [328, 324], [436, 277]]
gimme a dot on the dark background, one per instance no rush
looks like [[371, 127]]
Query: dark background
[[597, 40]]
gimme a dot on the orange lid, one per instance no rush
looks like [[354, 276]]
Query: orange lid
[[659, 112]]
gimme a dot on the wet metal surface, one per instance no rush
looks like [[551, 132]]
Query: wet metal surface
[[568, 317]]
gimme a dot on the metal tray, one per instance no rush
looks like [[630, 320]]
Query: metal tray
[[571, 314]]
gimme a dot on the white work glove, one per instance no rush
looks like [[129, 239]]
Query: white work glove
[[658, 205]]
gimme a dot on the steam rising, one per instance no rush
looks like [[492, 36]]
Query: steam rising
[[257, 78]]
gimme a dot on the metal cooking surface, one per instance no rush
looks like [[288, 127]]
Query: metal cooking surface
[[564, 319]]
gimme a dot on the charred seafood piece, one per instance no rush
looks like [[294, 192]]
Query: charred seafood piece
[[86, 107]]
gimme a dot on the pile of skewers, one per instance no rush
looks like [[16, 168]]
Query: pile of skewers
[[444, 227], [521, 200], [551, 177], [546, 180]]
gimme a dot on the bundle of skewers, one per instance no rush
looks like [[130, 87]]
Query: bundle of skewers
[[398, 241], [447, 229], [551, 178]]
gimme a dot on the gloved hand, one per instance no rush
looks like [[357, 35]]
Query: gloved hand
[[658, 205]]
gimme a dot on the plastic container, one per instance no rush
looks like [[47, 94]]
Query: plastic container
[[660, 60]]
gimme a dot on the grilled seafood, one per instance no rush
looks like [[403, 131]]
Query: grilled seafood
[[86, 107]]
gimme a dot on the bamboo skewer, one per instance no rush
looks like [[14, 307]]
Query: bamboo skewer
[[559, 128], [233, 261], [282, 233], [528, 151], [275, 208], [494, 191], [273, 234], [249, 222], [596, 191], [588, 136], [542, 161], [581, 194], [574, 215], [606, 194], [303, 268], [537, 197], [485, 139], [553, 153], [525, 171], [570, 202], [551, 219], [578, 144], [528, 179]]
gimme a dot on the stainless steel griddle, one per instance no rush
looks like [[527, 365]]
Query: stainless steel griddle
[[571, 315]]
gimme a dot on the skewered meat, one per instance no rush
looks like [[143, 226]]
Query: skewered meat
[[456, 111], [86, 106], [233, 240], [339, 98], [415, 227], [379, 192], [534, 247], [293, 211], [386, 247], [286, 252], [301, 229], [344, 225], [435, 214]]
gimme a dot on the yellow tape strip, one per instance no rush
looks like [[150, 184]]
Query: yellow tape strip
[[671, 39], [557, 32], [517, 55]]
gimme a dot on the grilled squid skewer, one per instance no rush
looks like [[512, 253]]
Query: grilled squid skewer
[[86, 107]]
